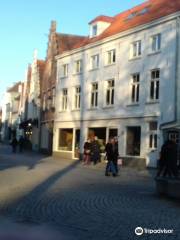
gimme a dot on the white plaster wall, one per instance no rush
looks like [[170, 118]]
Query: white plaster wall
[[121, 71]]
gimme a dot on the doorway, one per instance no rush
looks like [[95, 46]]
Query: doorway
[[133, 146]]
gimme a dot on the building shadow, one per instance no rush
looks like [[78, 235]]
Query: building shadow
[[31, 199]]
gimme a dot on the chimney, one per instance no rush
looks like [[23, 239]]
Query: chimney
[[53, 27]]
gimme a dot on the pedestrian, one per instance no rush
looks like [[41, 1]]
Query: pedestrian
[[87, 152], [95, 150], [117, 149], [14, 144], [21, 144], [112, 156], [168, 160]]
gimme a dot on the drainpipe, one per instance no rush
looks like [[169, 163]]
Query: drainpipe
[[177, 74]]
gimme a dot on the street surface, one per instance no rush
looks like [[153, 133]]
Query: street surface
[[54, 199]]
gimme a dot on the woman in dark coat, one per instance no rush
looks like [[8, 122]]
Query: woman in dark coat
[[112, 156], [87, 152], [14, 144], [95, 151]]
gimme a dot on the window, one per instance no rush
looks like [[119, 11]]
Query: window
[[135, 49], [65, 139], [94, 30], [95, 61], [77, 97], [153, 135], [135, 88], [173, 135], [49, 100], [53, 97], [156, 42], [111, 57], [110, 93], [64, 99], [94, 95], [154, 85], [78, 66], [65, 70]]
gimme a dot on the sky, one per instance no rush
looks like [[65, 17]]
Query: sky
[[24, 27]]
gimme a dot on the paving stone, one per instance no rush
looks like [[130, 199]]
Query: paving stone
[[79, 201]]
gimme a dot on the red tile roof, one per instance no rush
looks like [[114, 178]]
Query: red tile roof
[[102, 18], [139, 15], [67, 42]]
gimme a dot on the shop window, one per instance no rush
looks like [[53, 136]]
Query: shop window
[[65, 139], [100, 134], [113, 132]]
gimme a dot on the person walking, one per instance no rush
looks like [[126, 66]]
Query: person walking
[[87, 152], [14, 144], [95, 151], [21, 144], [168, 160], [112, 156], [117, 150]]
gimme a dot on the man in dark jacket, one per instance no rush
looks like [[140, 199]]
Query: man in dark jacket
[[168, 159], [112, 156]]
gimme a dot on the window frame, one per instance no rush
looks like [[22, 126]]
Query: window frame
[[78, 66], [154, 90], [94, 95], [110, 90], [94, 61], [64, 104], [77, 98], [136, 49], [153, 136], [156, 42], [135, 88], [65, 69], [111, 57], [94, 30]]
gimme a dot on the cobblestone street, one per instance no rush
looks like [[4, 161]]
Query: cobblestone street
[[67, 200]]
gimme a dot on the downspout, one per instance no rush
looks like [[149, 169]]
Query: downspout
[[177, 69], [176, 76]]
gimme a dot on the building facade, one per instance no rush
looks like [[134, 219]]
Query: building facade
[[121, 81], [11, 108], [57, 43]]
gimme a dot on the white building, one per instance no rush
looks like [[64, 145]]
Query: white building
[[11, 108], [123, 80]]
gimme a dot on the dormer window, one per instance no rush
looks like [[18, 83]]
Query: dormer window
[[94, 30], [99, 25]]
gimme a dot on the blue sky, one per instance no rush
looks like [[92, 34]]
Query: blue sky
[[24, 26]]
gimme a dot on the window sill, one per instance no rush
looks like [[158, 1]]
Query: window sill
[[93, 108], [153, 150], [133, 105], [77, 74], [94, 69], [152, 102], [135, 58], [63, 77], [75, 110], [109, 65], [154, 53], [63, 111], [108, 107]]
